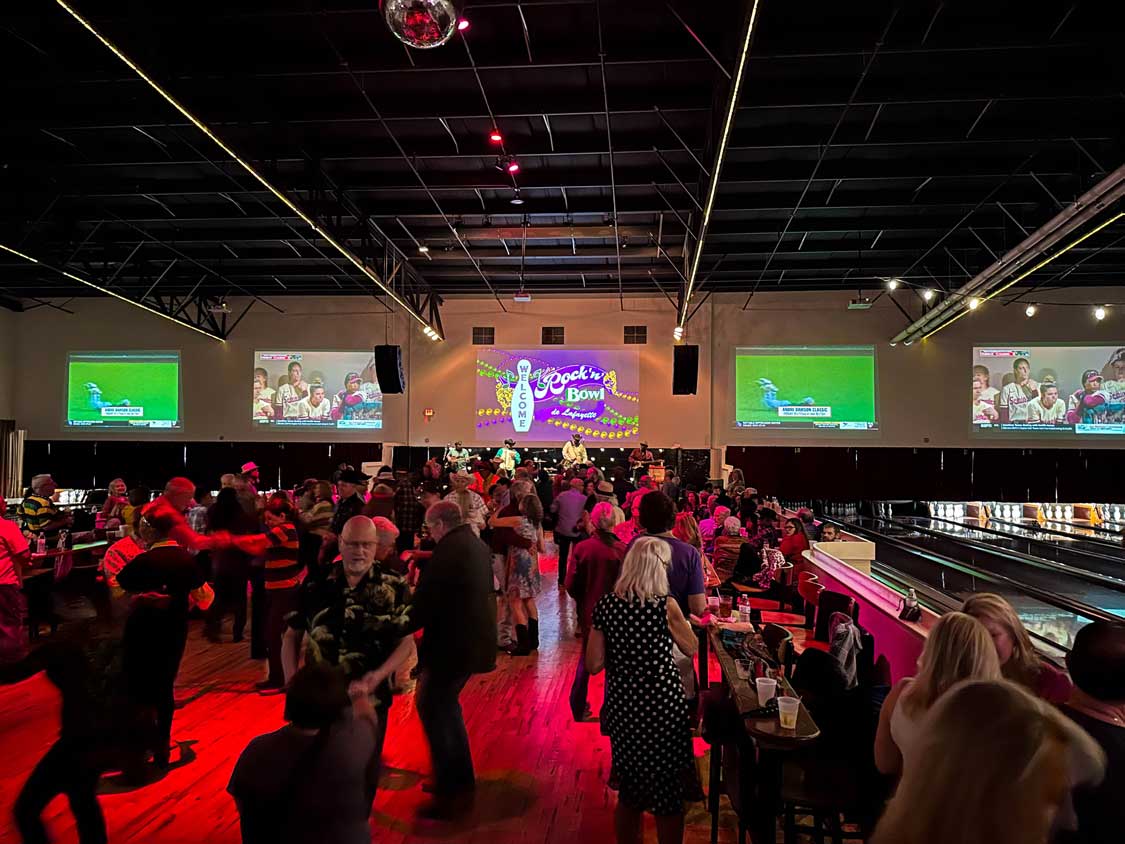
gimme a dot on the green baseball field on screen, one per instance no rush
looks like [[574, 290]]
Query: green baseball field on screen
[[844, 382], [153, 385]]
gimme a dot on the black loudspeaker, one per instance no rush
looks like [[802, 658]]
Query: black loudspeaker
[[685, 370], [388, 369]]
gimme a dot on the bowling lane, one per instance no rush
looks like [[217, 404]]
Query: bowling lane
[[1055, 624], [1090, 556]]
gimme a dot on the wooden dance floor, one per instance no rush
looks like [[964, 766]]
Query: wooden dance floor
[[542, 777]]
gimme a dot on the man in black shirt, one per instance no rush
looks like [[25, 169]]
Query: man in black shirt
[[455, 607], [351, 486]]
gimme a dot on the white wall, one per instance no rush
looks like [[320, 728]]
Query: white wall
[[216, 376], [9, 370], [922, 389]]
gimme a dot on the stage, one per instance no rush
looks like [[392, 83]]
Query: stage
[[541, 776]]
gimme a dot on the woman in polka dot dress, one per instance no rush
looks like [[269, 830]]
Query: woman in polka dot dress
[[645, 713]]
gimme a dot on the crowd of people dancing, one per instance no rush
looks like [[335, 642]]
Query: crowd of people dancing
[[358, 589]]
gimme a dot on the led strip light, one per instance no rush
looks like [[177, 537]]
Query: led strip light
[[720, 157], [1023, 275], [109, 292], [245, 165]]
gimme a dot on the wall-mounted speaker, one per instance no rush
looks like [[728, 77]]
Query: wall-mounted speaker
[[388, 369], [685, 370]]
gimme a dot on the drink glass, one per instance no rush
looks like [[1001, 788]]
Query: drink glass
[[724, 606], [787, 708], [744, 667], [713, 603], [767, 688]]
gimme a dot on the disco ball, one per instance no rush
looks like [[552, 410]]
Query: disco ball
[[421, 24]]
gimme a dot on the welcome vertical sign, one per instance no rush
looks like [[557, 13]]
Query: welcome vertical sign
[[548, 394]]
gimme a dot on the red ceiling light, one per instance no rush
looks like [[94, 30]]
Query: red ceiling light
[[513, 166], [495, 136], [462, 24]]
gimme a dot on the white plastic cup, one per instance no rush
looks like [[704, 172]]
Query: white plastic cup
[[713, 604], [787, 708], [767, 688]]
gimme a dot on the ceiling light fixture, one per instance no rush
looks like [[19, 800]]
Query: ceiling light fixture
[[893, 283], [423, 248], [512, 166], [516, 198], [927, 295], [463, 24], [1030, 311], [496, 137], [974, 303], [678, 333], [1099, 313]]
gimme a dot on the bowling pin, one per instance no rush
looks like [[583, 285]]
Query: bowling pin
[[523, 402], [1068, 512]]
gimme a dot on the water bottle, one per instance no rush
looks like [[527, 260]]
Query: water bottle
[[910, 610], [41, 544]]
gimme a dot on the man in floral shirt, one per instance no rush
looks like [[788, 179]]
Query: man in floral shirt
[[356, 618]]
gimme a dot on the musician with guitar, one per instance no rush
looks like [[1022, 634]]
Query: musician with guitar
[[574, 453], [457, 458], [639, 460]]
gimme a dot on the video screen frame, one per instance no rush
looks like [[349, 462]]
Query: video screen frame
[[1006, 406], [618, 413], [340, 408], [800, 422], [113, 400]]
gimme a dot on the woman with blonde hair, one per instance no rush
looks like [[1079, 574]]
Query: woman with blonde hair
[[645, 713], [957, 648], [999, 766], [1018, 660]]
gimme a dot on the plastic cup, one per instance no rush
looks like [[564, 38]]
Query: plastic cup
[[724, 606], [787, 708], [767, 688], [744, 667], [713, 603]]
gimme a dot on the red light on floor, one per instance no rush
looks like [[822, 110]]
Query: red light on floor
[[513, 167], [462, 24], [495, 136]]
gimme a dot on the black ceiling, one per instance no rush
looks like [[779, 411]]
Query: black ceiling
[[868, 143]]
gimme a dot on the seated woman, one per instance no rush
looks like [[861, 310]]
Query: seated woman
[[1018, 660], [109, 517], [728, 545], [999, 766], [957, 648], [794, 542]]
